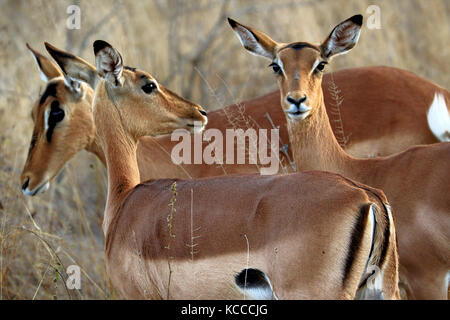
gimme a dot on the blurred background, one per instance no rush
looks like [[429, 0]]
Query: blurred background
[[189, 47]]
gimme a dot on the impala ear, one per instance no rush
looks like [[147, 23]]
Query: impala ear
[[73, 66], [343, 37], [109, 62], [256, 42], [48, 69], [73, 85]]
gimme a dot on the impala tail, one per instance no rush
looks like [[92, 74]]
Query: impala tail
[[255, 284], [438, 118], [380, 277]]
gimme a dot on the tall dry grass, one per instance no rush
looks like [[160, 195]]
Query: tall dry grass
[[189, 47]]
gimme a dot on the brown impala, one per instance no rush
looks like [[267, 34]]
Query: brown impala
[[400, 121], [305, 235], [415, 181]]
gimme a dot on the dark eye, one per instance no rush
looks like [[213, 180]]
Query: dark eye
[[321, 66], [56, 113], [276, 68], [149, 87]]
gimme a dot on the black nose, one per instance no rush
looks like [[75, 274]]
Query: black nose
[[25, 184], [203, 112], [296, 102]]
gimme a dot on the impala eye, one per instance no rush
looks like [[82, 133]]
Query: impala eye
[[276, 68], [149, 87], [321, 66], [56, 113]]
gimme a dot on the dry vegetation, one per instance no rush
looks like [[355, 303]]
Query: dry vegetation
[[189, 47]]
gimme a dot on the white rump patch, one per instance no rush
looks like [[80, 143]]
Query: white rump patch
[[260, 294], [257, 288], [439, 118], [373, 288]]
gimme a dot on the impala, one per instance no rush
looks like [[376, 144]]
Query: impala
[[415, 181], [306, 235], [397, 99]]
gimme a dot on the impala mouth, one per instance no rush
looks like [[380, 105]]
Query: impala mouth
[[296, 113], [197, 127], [39, 189]]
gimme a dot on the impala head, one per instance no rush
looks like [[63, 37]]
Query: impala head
[[145, 106], [299, 66], [63, 126]]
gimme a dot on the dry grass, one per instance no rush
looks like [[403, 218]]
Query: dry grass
[[189, 47]]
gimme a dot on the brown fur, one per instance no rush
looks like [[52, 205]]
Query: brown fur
[[395, 129], [414, 180], [269, 211], [279, 213]]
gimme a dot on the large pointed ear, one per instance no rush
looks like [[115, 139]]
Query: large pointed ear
[[48, 69], [73, 66], [256, 42], [109, 62], [343, 37]]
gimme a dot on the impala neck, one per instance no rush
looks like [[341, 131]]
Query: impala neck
[[95, 148], [119, 149], [94, 145], [315, 147]]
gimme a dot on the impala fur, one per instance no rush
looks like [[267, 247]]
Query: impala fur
[[330, 230], [383, 88], [415, 181], [63, 126]]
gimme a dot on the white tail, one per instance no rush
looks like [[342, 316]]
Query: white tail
[[255, 284], [439, 118]]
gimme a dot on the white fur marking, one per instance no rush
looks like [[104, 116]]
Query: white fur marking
[[46, 115], [316, 63], [281, 65], [373, 288], [250, 43], [39, 189], [260, 293], [439, 118]]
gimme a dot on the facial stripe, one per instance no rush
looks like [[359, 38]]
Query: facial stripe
[[50, 91], [55, 115]]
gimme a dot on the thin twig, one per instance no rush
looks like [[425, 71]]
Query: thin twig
[[173, 189]]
